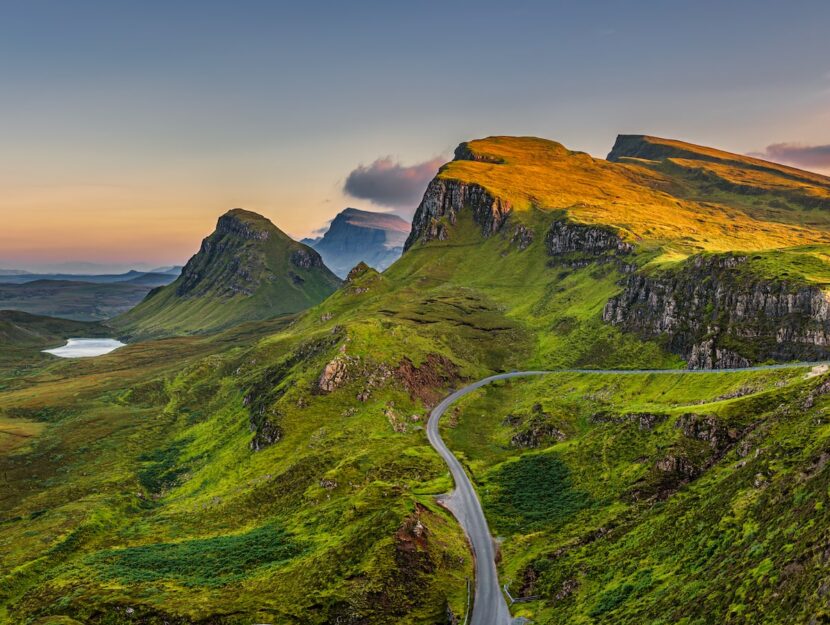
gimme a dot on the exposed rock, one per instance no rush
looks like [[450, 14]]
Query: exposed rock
[[427, 381], [717, 316], [412, 539], [334, 374], [709, 429], [306, 258], [536, 433], [565, 237], [234, 222], [679, 466], [464, 153], [522, 237], [445, 199], [644, 420], [397, 422], [568, 587], [818, 391], [358, 270], [265, 434]]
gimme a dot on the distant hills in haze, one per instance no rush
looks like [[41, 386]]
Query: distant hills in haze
[[356, 236], [77, 296], [158, 277]]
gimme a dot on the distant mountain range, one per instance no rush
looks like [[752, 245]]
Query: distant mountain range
[[356, 236], [157, 277], [76, 296]]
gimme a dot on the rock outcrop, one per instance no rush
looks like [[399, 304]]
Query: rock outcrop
[[716, 313], [445, 199], [306, 258], [565, 237]]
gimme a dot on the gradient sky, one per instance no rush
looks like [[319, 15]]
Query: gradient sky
[[126, 128]]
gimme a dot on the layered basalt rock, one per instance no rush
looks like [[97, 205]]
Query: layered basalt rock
[[445, 199], [716, 313]]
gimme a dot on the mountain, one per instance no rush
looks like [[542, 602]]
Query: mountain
[[152, 279], [246, 270], [723, 256], [174, 270], [356, 236], [279, 471]]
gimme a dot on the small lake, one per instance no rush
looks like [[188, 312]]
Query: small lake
[[85, 348]]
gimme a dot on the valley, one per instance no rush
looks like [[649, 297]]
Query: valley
[[264, 448]]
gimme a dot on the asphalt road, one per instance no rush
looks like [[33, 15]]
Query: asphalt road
[[490, 606]]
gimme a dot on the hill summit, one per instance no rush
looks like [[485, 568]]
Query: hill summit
[[247, 269], [362, 236]]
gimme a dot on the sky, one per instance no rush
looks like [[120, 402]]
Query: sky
[[127, 128]]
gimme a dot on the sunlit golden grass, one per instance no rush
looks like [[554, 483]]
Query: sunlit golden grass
[[533, 172], [15, 433]]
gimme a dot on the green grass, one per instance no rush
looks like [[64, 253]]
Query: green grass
[[210, 562], [714, 547], [137, 485], [531, 493], [234, 278]]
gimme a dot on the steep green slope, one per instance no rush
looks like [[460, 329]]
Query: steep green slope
[[278, 472], [721, 283], [246, 270], [683, 498]]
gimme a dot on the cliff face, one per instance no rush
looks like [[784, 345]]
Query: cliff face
[[565, 237], [444, 199], [715, 315]]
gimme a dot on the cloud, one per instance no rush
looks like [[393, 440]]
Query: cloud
[[388, 183], [817, 156]]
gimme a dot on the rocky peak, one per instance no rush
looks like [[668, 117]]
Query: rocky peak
[[357, 271], [362, 236], [465, 153], [245, 224]]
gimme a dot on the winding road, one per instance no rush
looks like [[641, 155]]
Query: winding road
[[489, 606]]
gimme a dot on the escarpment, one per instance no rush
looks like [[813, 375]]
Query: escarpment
[[445, 199], [716, 313]]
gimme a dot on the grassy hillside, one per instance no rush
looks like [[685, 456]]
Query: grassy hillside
[[278, 471], [685, 498], [246, 270], [650, 203]]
